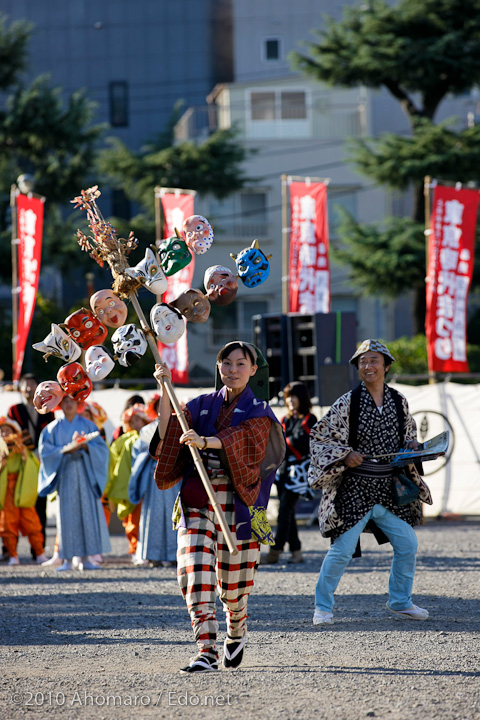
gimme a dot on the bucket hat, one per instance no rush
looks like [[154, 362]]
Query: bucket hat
[[372, 346]]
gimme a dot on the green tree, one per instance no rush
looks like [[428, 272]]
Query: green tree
[[52, 140], [420, 53], [213, 166]]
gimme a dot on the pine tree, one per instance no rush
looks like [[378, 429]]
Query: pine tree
[[213, 166], [420, 53], [41, 135]]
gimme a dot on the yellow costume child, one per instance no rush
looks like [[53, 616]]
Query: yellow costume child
[[18, 493]]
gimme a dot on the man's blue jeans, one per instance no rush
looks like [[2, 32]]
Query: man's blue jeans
[[404, 542]]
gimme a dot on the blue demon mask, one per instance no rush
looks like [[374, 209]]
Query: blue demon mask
[[252, 264]]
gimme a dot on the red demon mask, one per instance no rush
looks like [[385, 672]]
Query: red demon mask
[[75, 381], [85, 328]]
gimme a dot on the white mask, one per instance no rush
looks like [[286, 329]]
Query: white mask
[[149, 272], [168, 324], [58, 344], [129, 344], [98, 362]]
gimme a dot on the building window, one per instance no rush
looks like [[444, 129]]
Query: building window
[[272, 49], [263, 105], [340, 197], [293, 106], [278, 105], [240, 216], [118, 96], [254, 205], [247, 310]]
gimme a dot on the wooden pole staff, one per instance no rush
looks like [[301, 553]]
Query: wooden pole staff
[[111, 250], [183, 424]]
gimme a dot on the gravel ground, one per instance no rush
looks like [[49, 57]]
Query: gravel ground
[[109, 643]]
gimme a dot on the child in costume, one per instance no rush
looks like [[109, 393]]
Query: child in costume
[[18, 493], [242, 444], [157, 540], [133, 420], [79, 476], [32, 422]]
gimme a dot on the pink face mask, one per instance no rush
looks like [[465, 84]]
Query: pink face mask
[[48, 395], [198, 234], [108, 308]]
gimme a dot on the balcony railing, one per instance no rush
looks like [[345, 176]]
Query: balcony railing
[[196, 123]]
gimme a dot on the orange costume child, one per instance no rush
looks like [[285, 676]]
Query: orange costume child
[[18, 493]]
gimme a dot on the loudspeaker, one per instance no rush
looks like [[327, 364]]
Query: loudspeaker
[[320, 347], [314, 349], [270, 336]]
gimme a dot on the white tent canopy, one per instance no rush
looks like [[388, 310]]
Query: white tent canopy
[[455, 485]]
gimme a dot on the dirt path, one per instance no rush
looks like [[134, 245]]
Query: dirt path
[[108, 644]]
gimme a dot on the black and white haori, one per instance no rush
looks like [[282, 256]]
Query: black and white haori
[[358, 493]]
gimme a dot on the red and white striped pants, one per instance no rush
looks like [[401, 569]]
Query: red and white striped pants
[[205, 565]]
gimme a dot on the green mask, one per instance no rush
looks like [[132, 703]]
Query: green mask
[[174, 255]]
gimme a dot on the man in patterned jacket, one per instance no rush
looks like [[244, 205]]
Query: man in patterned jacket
[[358, 491]]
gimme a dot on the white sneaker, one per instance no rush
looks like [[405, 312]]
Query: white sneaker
[[321, 617], [412, 613], [66, 565], [41, 559], [14, 560], [54, 560], [76, 560]]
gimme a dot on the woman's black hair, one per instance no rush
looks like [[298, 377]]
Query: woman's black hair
[[237, 345], [300, 391], [133, 400]]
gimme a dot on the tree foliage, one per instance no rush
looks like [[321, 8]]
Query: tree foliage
[[213, 166], [385, 257], [420, 53], [40, 134], [410, 355], [13, 51], [435, 150], [54, 143]]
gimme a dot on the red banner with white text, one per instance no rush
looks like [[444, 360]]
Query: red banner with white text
[[176, 207], [450, 266], [309, 269], [30, 230]]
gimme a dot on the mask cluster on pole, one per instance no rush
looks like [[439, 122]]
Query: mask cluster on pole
[[79, 341]]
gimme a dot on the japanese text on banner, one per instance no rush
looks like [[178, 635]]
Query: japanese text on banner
[[30, 230], [309, 272], [451, 250], [177, 207]]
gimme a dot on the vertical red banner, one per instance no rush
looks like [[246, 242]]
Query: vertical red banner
[[30, 230], [177, 207], [309, 270], [450, 267]]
